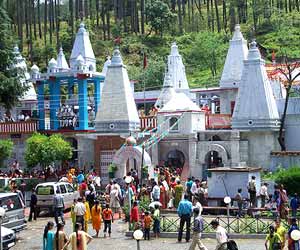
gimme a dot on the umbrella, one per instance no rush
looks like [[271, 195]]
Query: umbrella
[[152, 204]]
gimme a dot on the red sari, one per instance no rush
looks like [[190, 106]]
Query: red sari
[[163, 197]]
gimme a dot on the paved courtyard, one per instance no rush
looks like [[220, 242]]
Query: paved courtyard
[[31, 238]]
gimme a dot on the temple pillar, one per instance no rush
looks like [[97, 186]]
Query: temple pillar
[[83, 103], [54, 88], [41, 105], [97, 94]]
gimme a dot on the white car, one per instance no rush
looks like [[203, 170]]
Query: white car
[[46, 191], [8, 238]]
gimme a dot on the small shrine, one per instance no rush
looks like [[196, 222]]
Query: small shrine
[[76, 109]]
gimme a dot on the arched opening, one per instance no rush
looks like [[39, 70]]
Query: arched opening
[[175, 159], [213, 159]]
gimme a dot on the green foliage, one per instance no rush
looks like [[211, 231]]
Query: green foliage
[[112, 168], [44, 150], [11, 88], [153, 75], [290, 178], [6, 148], [159, 16]]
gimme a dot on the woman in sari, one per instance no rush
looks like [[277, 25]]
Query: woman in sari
[[163, 196], [79, 239], [178, 193], [96, 217], [48, 237], [87, 215]]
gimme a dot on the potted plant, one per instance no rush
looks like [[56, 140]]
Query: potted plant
[[112, 168]]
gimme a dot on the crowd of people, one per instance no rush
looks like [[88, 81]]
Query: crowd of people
[[100, 205]]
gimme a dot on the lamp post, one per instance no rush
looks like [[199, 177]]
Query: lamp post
[[138, 235], [128, 180], [2, 213], [227, 201]]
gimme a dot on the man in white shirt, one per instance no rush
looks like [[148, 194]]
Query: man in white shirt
[[79, 211], [264, 194], [221, 235]]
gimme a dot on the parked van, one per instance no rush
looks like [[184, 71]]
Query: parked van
[[14, 217], [46, 191]]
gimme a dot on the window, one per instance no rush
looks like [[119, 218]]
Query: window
[[10, 203], [173, 124], [70, 188], [44, 190], [63, 189]]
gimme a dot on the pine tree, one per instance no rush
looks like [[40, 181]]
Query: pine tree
[[11, 88]]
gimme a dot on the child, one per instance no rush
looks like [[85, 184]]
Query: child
[[108, 219], [134, 215], [147, 225], [156, 223]]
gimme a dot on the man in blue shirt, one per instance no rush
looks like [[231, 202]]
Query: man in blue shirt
[[184, 210], [294, 205]]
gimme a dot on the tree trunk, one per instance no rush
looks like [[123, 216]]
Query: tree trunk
[[50, 20], [45, 21], [281, 134], [217, 16], [26, 19], [212, 15], [224, 16], [180, 16], [143, 17], [34, 19], [57, 18], [97, 12], [39, 18], [208, 15], [108, 24], [71, 20]]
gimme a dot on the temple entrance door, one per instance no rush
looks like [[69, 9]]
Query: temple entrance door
[[212, 160], [175, 160]]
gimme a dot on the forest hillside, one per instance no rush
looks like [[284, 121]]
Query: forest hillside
[[201, 28]]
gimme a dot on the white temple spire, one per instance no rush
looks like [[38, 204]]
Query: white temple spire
[[106, 64], [117, 111], [176, 70], [234, 63], [83, 46], [20, 63], [62, 64], [167, 92], [255, 107]]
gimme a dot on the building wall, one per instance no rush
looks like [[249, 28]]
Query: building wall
[[284, 161], [226, 97], [220, 182], [105, 143], [85, 152], [260, 146], [292, 132]]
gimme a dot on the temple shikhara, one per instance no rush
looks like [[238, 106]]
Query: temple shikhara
[[230, 127]]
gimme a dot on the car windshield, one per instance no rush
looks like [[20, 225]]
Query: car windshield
[[45, 190], [10, 203]]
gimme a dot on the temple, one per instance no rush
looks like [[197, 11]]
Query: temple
[[72, 111], [231, 126]]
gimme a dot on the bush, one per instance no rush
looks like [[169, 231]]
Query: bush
[[290, 178]]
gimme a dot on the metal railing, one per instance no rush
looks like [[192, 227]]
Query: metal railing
[[239, 225], [18, 127]]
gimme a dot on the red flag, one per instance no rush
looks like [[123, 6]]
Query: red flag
[[145, 61], [273, 56]]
